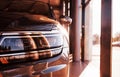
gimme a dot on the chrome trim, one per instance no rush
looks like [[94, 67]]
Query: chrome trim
[[29, 32], [24, 36], [23, 53]]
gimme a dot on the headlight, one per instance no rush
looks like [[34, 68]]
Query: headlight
[[55, 40], [28, 48], [30, 43]]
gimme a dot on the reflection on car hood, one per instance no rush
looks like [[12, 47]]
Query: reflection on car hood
[[40, 18], [18, 21]]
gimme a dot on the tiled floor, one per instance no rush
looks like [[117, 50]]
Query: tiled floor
[[86, 69], [92, 70], [76, 68]]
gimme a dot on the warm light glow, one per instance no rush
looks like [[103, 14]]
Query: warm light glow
[[96, 16], [115, 16], [91, 71]]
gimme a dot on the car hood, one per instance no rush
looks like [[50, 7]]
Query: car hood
[[25, 21]]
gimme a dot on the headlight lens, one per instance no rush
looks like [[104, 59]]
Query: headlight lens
[[17, 49], [55, 40], [30, 42]]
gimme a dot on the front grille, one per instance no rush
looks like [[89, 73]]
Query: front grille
[[29, 56], [22, 48]]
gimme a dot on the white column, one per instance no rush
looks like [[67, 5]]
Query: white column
[[88, 33]]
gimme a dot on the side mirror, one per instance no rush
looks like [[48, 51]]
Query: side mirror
[[65, 20]]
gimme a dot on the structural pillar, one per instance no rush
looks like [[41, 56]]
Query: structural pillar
[[75, 30], [86, 40], [105, 57], [88, 33]]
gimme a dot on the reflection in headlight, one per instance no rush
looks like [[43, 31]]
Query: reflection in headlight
[[28, 43]]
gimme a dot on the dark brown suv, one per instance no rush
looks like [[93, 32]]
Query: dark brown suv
[[32, 42]]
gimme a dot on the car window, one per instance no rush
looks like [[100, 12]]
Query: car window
[[4, 4], [22, 15], [40, 8], [19, 6], [33, 7]]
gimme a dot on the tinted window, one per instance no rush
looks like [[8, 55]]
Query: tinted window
[[19, 6], [34, 7]]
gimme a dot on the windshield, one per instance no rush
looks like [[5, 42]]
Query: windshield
[[26, 6], [25, 15]]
